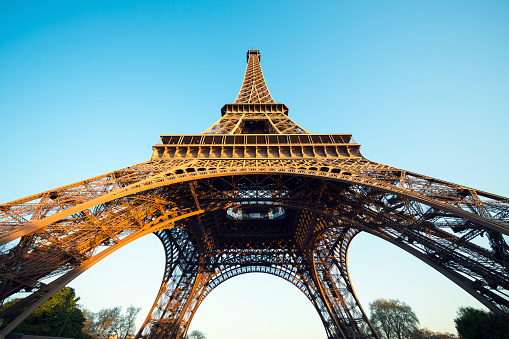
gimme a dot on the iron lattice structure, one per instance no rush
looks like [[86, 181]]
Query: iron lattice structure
[[254, 193]]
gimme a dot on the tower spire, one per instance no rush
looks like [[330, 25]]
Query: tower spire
[[254, 111], [254, 89]]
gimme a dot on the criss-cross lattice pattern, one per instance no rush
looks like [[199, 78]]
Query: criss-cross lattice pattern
[[254, 89], [254, 193]]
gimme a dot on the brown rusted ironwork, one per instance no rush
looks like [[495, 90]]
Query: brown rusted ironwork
[[254, 193]]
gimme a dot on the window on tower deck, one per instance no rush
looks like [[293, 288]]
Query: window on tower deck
[[255, 212], [257, 126], [256, 203]]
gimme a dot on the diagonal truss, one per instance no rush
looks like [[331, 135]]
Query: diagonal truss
[[254, 193], [254, 89]]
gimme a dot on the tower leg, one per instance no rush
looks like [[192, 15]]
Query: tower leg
[[182, 279], [330, 267]]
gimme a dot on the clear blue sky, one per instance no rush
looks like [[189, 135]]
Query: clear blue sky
[[86, 87]]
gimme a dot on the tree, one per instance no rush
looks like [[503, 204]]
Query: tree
[[424, 333], [87, 326], [58, 316], [480, 324], [110, 321], [125, 325], [102, 322], [393, 318], [196, 335]]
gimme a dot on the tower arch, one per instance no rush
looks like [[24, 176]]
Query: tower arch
[[255, 191]]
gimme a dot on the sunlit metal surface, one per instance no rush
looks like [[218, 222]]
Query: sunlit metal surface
[[254, 193]]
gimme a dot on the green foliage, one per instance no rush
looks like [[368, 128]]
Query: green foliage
[[59, 315], [393, 319], [479, 324]]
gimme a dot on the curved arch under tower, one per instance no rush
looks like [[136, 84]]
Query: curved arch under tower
[[254, 193]]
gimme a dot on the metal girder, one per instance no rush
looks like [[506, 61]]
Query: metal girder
[[254, 193], [211, 196], [254, 89], [288, 264]]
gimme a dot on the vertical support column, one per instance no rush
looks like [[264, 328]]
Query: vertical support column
[[177, 288], [332, 276], [318, 300]]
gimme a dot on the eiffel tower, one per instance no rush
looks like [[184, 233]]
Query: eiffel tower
[[254, 193]]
